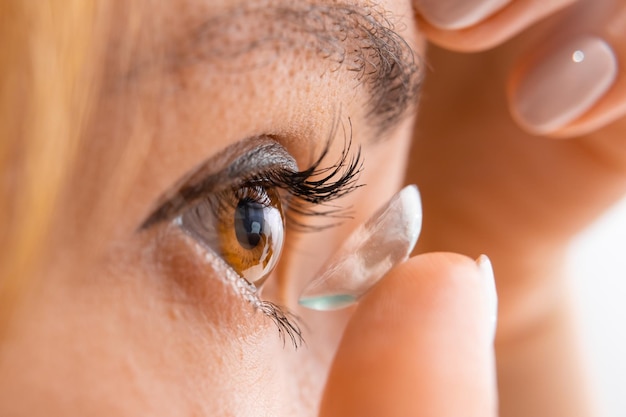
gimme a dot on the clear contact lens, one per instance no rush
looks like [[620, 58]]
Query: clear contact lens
[[385, 240]]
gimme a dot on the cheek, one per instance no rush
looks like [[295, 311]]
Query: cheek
[[262, 371], [141, 338]]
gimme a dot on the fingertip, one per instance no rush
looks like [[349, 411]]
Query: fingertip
[[422, 336], [457, 14], [607, 110], [424, 280], [503, 23], [568, 90]]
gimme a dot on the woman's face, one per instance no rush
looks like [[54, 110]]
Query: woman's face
[[204, 111]]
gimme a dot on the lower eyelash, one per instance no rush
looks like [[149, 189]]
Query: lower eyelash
[[304, 192], [336, 181], [286, 322]]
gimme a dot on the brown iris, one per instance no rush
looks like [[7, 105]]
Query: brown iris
[[250, 232]]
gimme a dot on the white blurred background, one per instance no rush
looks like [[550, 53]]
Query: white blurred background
[[597, 263]]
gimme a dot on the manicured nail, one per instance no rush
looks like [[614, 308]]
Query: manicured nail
[[375, 247], [486, 270], [564, 84], [457, 14]]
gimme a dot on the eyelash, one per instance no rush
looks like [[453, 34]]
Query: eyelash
[[303, 194]]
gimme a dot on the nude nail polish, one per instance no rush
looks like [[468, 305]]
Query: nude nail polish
[[563, 85], [457, 14]]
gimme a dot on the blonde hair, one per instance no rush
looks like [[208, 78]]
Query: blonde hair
[[48, 74]]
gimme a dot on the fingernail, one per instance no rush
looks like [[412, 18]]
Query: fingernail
[[564, 85], [486, 270], [457, 14], [385, 240]]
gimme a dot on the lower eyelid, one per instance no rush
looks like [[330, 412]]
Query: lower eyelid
[[203, 286], [245, 227], [201, 279], [194, 283]]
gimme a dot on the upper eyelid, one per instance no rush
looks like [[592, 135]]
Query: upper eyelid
[[243, 159]]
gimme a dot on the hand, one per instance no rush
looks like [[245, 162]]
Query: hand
[[491, 185], [542, 96], [420, 343], [477, 25]]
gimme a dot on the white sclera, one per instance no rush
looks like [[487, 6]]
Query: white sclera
[[385, 240]]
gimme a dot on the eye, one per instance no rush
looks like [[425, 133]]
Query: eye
[[238, 212], [245, 226]]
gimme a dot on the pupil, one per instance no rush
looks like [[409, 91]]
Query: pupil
[[249, 223]]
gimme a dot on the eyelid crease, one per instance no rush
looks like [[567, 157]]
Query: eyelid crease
[[263, 161], [243, 159], [266, 162]]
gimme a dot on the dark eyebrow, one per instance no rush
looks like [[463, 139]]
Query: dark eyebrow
[[358, 39]]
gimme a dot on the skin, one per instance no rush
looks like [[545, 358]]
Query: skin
[[122, 322], [136, 323], [511, 195]]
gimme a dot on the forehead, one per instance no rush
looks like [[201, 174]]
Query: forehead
[[196, 76], [236, 38]]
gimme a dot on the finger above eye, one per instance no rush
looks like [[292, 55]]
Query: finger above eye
[[574, 83], [484, 24]]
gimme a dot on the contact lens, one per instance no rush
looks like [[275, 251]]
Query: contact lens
[[245, 226], [382, 242]]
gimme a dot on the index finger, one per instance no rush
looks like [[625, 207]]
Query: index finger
[[420, 343], [489, 30]]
